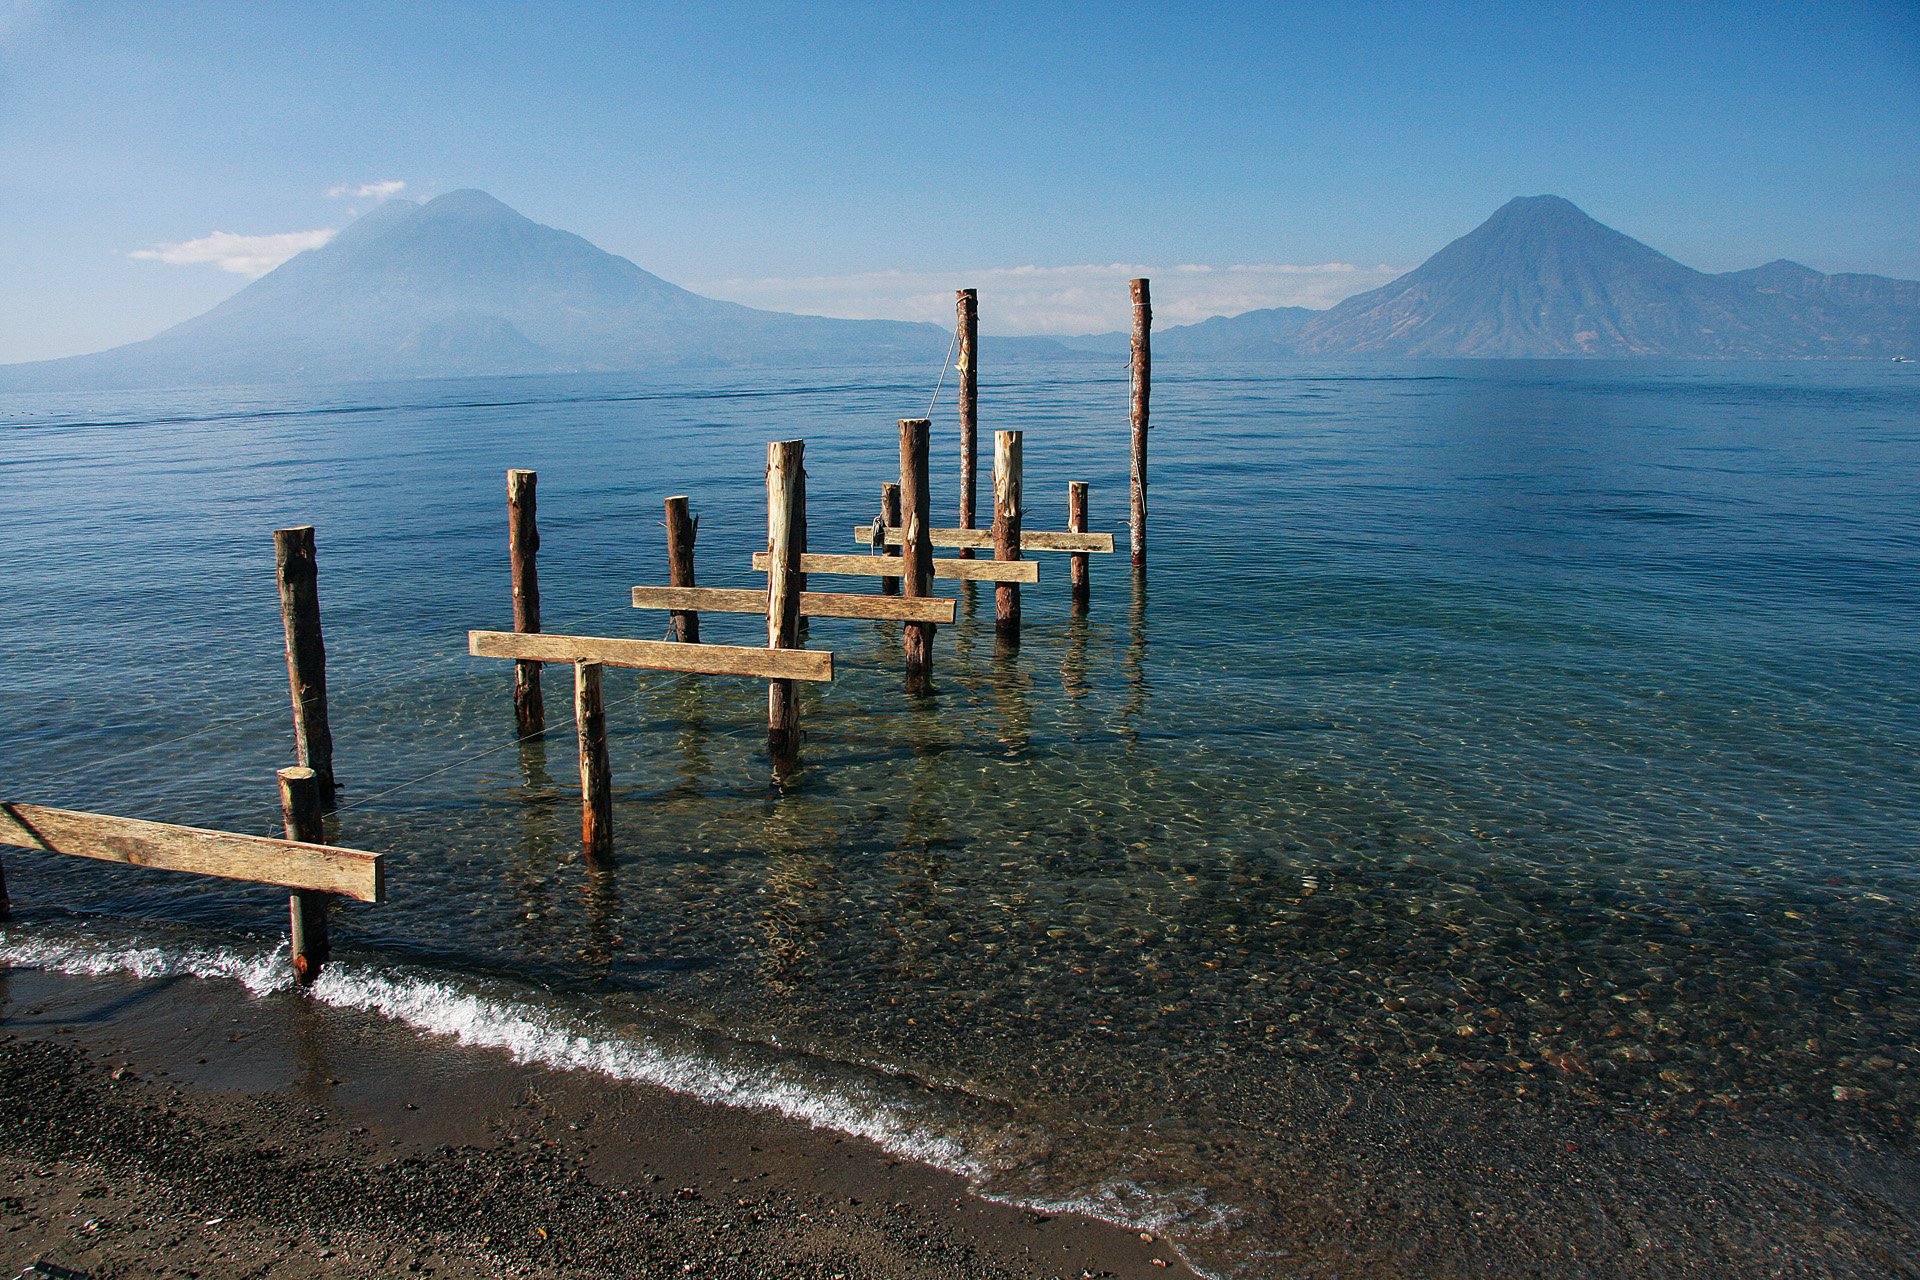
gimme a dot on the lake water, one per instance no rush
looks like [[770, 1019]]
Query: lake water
[[1488, 832]]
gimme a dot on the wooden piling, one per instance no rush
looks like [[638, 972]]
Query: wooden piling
[[681, 531], [596, 774], [967, 307], [306, 653], [890, 515], [1006, 531], [916, 511], [1077, 562], [523, 548], [6, 903], [786, 528], [1142, 389], [300, 810]]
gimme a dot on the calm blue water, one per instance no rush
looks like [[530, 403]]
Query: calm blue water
[[1495, 754]]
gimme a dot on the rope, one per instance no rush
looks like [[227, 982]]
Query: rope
[[944, 366]]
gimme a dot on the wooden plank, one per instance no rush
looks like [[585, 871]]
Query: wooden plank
[[294, 864], [813, 604], [656, 655], [1079, 542], [883, 566]]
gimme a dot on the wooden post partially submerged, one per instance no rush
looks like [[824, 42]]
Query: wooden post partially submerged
[[681, 530], [300, 811], [967, 307], [306, 653], [1006, 531], [890, 516], [786, 532], [523, 546], [916, 512], [596, 774], [1142, 388], [1077, 563]]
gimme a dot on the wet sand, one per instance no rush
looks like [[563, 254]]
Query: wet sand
[[183, 1128]]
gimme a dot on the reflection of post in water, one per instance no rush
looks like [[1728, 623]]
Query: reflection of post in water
[[600, 906], [1014, 713], [793, 919], [1136, 661], [1073, 660], [538, 849], [312, 1071], [690, 709]]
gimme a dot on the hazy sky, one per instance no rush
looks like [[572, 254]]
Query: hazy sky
[[868, 159]]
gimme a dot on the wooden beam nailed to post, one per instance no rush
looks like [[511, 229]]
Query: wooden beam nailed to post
[[656, 655], [880, 566], [1077, 523], [300, 810], [523, 548], [1142, 389], [1079, 542], [292, 864], [890, 519], [1006, 531], [596, 775], [813, 604], [967, 307], [916, 508], [681, 531], [786, 534], [306, 653]]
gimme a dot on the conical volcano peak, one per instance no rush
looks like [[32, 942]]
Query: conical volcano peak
[[471, 204]]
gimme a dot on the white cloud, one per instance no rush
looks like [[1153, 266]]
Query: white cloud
[[1088, 298], [243, 255], [383, 190]]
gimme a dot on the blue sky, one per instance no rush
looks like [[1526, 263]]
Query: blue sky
[[867, 159]]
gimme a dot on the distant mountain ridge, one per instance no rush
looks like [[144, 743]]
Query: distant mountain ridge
[[1542, 279]]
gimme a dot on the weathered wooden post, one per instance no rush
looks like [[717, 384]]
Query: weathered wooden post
[[301, 810], [916, 510], [1077, 562], [967, 305], [1142, 389], [890, 518], [786, 524], [596, 775], [1006, 531], [306, 653], [6, 903], [523, 548], [681, 531]]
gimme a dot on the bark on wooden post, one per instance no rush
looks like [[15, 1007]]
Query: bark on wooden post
[[786, 525], [6, 903], [967, 305], [890, 517], [916, 511], [1006, 531], [1142, 389], [596, 774], [300, 809], [523, 548], [681, 530], [1077, 562], [306, 653]]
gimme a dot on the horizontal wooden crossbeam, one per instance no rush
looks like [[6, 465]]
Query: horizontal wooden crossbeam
[[1030, 539], [351, 873], [889, 567], [813, 604], [655, 655]]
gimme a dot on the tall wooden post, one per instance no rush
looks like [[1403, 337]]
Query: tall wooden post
[[523, 548], [1077, 562], [1006, 531], [681, 530], [300, 810], [890, 517], [1142, 389], [6, 903], [596, 774], [786, 531], [916, 511], [967, 306], [306, 653]]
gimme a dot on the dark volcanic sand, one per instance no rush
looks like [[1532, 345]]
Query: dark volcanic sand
[[185, 1128]]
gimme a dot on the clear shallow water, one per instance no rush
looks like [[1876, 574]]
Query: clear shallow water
[[1510, 739]]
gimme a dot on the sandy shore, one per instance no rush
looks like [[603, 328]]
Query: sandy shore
[[185, 1128]]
